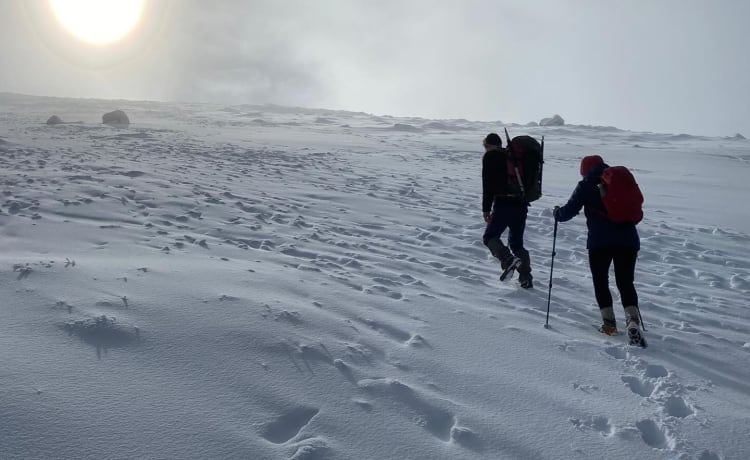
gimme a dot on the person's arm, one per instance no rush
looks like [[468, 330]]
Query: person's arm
[[488, 194], [574, 204]]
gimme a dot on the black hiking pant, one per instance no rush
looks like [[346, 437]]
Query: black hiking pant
[[624, 261], [511, 217]]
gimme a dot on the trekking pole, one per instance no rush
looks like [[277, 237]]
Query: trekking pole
[[551, 266]]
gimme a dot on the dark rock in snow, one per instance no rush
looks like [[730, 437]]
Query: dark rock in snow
[[556, 120], [117, 117]]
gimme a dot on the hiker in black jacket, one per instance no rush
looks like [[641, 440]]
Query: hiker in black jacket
[[607, 242], [503, 210]]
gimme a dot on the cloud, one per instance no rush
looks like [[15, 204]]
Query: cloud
[[239, 52], [676, 66]]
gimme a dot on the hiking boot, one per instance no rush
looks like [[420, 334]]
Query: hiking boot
[[632, 314], [608, 317], [634, 333], [525, 280], [507, 262], [608, 329], [509, 268]]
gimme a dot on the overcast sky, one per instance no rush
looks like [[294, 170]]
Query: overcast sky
[[656, 65]]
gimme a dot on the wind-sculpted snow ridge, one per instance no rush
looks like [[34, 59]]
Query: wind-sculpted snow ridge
[[202, 286]]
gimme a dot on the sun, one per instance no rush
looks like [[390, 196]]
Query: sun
[[98, 22]]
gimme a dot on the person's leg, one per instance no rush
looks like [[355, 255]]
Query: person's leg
[[624, 261], [599, 262], [624, 275], [516, 228], [492, 234]]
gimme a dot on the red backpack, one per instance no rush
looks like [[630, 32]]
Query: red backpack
[[621, 196]]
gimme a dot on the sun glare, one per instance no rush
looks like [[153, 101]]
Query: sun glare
[[99, 22]]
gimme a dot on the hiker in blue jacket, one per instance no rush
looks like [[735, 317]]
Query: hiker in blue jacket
[[607, 242]]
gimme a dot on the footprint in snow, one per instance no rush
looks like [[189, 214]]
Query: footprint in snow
[[467, 438], [103, 332], [345, 370], [389, 330], [418, 341], [655, 435], [600, 424], [428, 414], [382, 290], [288, 425], [675, 406], [708, 455], [639, 386], [312, 449], [656, 371], [616, 352]]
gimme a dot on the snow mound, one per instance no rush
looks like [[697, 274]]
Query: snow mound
[[324, 121], [442, 126], [116, 117], [262, 122], [403, 127], [556, 120]]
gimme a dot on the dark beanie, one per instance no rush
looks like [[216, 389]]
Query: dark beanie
[[493, 139], [590, 162]]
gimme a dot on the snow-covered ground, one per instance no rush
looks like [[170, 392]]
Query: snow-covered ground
[[269, 283]]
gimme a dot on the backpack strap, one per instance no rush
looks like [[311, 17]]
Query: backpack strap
[[600, 191]]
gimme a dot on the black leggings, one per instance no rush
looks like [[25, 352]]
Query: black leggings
[[624, 261]]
